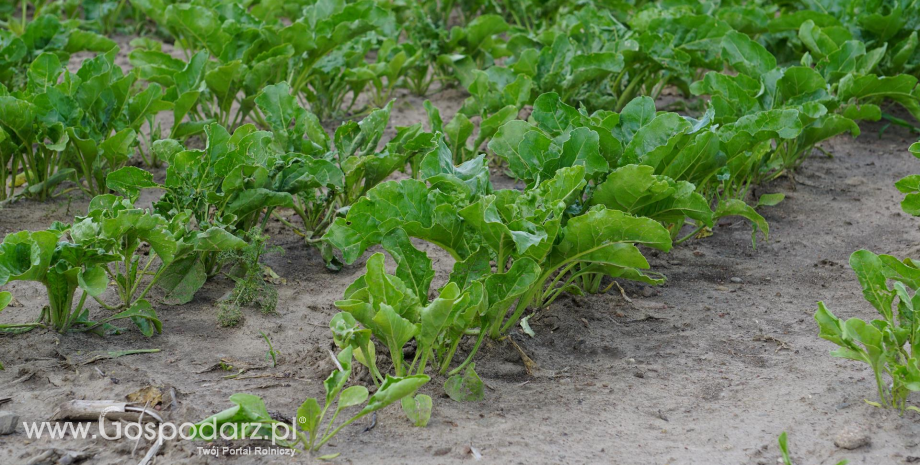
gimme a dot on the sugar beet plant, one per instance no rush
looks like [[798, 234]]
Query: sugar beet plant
[[503, 267], [772, 117], [890, 345], [313, 424], [86, 261]]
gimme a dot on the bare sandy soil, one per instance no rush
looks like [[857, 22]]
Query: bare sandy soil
[[704, 370]]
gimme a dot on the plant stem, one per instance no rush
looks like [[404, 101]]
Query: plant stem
[[688, 236], [469, 358], [445, 364]]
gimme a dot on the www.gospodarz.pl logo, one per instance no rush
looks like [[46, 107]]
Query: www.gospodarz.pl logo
[[152, 428]]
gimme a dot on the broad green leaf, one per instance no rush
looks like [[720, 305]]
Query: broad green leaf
[[503, 289], [662, 131], [467, 387], [636, 190], [471, 177], [871, 273], [799, 83], [735, 207], [182, 279], [434, 317], [308, 416], [249, 409], [217, 240], [608, 237], [26, 256], [583, 148], [746, 55], [354, 395], [254, 200], [129, 181], [44, 72], [93, 280], [418, 409], [770, 200], [413, 267], [393, 329], [484, 216], [143, 315], [424, 214], [392, 390], [552, 115]]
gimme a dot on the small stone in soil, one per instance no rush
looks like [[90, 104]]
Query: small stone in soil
[[648, 291], [8, 422], [851, 438], [736, 280]]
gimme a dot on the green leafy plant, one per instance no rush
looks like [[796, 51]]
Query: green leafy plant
[[250, 417], [223, 191], [114, 225], [401, 315], [63, 267], [910, 186], [106, 15], [887, 27], [523, 233], [766, 134], [890, 345], [271, 354], [397, 65], [245, 55], [644, 162], [250, 50], [474, 46]]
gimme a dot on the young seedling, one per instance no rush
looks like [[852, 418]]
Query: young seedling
[[270, 355], [311, 429], [784, 449], [890, 345]]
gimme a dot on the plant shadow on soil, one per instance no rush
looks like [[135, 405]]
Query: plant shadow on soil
[[703, 370]]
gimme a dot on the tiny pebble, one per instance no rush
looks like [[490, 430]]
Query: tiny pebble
[[736, 280]]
